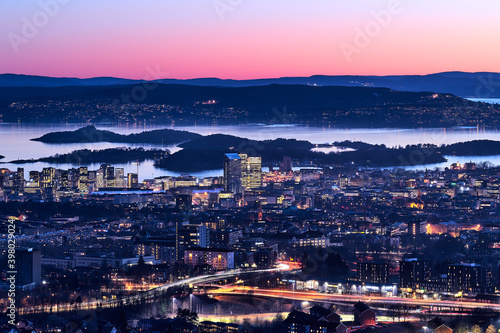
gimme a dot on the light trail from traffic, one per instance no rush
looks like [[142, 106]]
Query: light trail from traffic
[[148, 295], [312, 296]]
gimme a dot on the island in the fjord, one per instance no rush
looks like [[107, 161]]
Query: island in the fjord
[[1, 156], [207, 153], [110, 155], [90, 134], [472, 148]]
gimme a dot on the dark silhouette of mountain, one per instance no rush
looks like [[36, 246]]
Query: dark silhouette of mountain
[[271, 104], [91, 134], [21, 80], [479, 85]]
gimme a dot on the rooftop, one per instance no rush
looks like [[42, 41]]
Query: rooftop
[[233, 156]]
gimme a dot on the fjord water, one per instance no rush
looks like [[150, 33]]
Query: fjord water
[[16, 144]]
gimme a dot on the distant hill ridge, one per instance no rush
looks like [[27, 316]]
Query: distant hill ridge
[[181, 104], [464, 84]]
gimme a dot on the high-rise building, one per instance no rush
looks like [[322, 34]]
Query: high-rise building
[[371, 272], [343, 181], [286, 164], [19, 180], [232, 173], [34, 176], [48, 177], [92, 180], [72, 176], [20, 173], [414, 228], [28, 266], [190, 235], [110, 176], [33, 183], [468, 278], [132, 180], [219, 259], [251, 172], [83, 177], [413, 273], [2, 178], [120, 178], [99, 179], [241, 172], [162, 248], [104, 169], [64, 179], [265, 258]]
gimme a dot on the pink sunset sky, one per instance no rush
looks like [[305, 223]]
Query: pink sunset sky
[[246, 39]]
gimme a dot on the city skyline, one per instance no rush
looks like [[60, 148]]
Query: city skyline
[[249, 166]]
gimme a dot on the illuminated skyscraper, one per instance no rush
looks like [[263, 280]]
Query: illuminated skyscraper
[[99, 179], [120, 178], [64, 179], [34, 176], [92, 180], [132, 180], [251, 172], [109, 176], [242, 172], [48, 175], [19, 180], [232, 173], [83, 177]]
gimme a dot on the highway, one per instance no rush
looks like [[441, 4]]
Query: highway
[[149, 295], [312, 296]]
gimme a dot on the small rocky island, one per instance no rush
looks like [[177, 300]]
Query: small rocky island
[[90, 134]]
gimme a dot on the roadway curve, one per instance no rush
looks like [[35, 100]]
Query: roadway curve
[[351, 299], [149, 294]]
